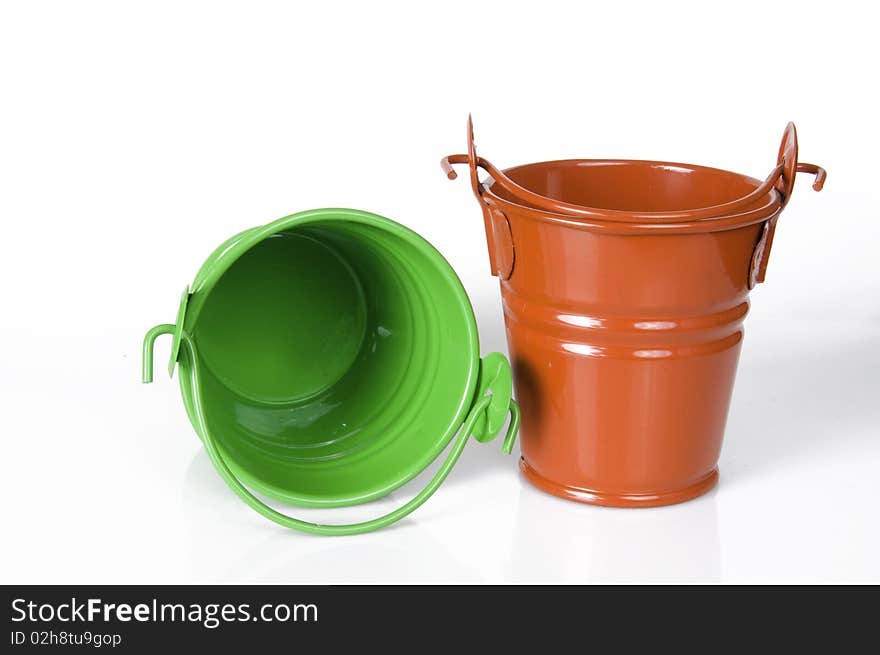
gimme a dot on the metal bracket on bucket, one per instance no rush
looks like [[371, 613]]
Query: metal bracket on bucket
[[499, 238], [178, 330], [787, 167], [496, 380]]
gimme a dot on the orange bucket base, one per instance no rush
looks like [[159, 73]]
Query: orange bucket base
[[592, 497]]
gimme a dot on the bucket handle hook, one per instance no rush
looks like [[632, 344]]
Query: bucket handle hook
[[479, 415]]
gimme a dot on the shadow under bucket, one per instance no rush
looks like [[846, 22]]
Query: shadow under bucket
[[625, 285], [329, 357]]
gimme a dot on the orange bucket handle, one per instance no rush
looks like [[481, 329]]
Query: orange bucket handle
[[781, 178]]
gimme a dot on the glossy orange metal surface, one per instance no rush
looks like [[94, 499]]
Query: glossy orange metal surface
[[625, 285]]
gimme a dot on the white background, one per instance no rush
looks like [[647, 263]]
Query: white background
[[138, 136]]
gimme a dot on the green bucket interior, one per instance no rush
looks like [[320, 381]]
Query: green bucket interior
[[338, 356]]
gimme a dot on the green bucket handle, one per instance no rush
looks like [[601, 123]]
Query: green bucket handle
[[482, 422]]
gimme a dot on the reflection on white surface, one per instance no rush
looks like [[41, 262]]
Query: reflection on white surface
[[552, 540], [269, 553], [557, 540]]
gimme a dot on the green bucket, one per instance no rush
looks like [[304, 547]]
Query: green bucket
[[328, 358]]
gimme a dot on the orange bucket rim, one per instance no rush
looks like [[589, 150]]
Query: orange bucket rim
[[762, 206]]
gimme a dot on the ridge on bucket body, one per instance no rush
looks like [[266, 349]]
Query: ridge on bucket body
[[327, 358], [625, 285]]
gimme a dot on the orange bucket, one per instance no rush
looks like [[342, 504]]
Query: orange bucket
[[625, 285]]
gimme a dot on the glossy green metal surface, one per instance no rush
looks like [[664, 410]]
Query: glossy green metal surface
[[327, 358]]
